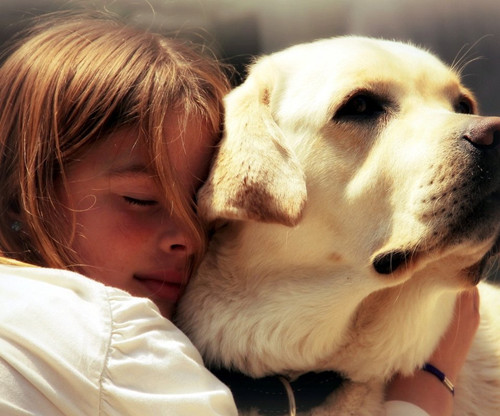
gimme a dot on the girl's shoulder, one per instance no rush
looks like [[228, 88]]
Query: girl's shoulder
[[54, 337], [66, 340]]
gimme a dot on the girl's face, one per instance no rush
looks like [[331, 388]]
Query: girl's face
[[125, 236]]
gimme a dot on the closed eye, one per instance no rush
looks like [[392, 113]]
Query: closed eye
[[362, 106], [140, 202]]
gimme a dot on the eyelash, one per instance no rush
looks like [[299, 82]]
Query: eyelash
[[139, 202]]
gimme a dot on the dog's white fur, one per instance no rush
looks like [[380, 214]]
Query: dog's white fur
[[307, 198]]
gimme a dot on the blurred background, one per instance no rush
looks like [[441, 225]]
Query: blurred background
[[237, 30]]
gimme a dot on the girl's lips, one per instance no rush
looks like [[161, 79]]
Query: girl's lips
[[164, 286]]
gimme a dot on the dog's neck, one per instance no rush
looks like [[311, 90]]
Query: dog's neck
[[296, 320]]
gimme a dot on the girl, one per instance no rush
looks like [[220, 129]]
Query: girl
[[106, 133]]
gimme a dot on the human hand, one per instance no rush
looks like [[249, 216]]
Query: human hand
[[424, 389], [452, 350]]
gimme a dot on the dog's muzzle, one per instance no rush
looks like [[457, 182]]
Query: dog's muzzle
[[468, 208]]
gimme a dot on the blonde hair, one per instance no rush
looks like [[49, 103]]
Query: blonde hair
[[72, 81]]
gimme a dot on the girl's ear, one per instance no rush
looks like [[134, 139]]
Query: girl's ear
[[255, 175]]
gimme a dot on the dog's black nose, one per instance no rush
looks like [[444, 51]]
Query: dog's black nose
[[484, 133]]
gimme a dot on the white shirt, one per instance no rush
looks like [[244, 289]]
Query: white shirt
[[399, 408], [72, 346]]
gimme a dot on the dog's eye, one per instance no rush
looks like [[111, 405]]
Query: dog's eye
[[361, 105], [464, 106]]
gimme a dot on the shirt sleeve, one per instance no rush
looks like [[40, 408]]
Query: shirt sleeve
[[153, 369], [400, 408], [72, 346]]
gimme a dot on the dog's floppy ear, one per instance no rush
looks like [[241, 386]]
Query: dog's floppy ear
[[255, 174]]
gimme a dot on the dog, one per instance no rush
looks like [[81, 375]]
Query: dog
[[355, 193]]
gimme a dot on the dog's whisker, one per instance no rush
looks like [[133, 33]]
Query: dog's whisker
[[462, 60]]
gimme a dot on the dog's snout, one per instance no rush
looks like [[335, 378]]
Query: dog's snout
[[484, 133]]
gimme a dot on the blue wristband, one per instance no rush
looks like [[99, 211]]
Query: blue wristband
[[441, 376]]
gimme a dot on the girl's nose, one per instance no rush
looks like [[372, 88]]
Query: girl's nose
[[177, 240]]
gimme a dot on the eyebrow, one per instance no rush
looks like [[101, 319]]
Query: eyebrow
[[130, 170]]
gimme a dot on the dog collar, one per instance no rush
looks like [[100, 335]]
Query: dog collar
[[276, 395]]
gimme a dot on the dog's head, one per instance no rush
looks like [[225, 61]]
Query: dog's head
[[348, 166]]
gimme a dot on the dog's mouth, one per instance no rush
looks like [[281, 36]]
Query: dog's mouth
[[479, 225], [391, 261], [398, 261]]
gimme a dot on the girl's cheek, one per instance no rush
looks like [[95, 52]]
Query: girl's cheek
[[137, 225]]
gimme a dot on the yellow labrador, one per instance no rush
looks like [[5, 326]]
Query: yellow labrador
[[355, 193]]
